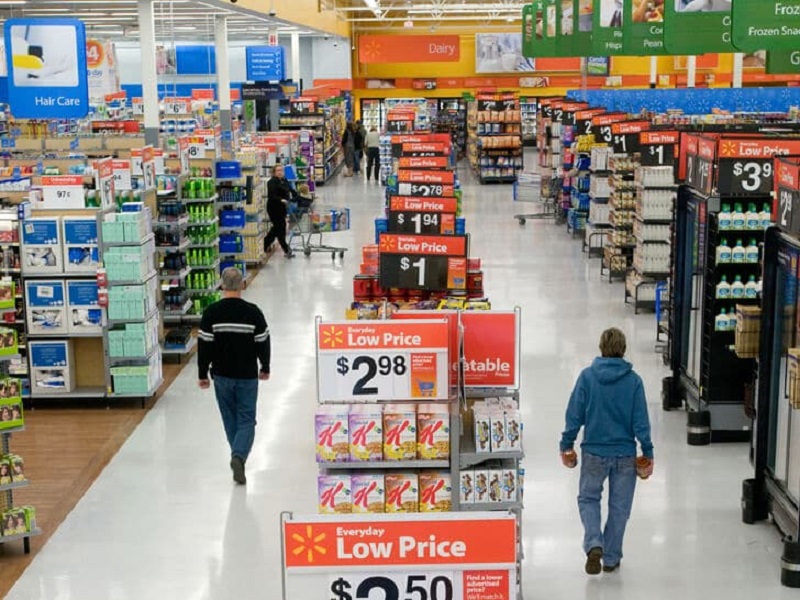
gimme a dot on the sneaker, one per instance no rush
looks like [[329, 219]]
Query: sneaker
[[237, 466], [593, 559], [610, 568], [289, 254]]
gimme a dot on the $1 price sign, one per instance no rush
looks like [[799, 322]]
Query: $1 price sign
[[394, 586], [366, 362], [423, 262]]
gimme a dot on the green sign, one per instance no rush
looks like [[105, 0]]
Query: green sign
[[643, 30], [544, 32], [697, 26], [566, 29], [607, 28], [766, 25], [582, 23], [781, 62], [528, 25]]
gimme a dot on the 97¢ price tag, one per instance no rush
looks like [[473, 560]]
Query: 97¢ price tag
[[394, 586]]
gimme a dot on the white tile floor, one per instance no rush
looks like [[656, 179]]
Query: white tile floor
[[164, 520]]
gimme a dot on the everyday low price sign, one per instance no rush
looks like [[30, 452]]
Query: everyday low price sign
[[746, 165], [421, 216], [423, 262]]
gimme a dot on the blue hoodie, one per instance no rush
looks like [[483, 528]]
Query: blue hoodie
[[609, 403]]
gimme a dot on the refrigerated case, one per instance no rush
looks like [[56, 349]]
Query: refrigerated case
[[373, 113]]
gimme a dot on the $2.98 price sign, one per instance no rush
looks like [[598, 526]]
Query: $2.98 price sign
[[360, 361], [393, 586]]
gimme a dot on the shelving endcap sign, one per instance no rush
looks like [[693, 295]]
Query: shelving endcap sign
[[47, 73]]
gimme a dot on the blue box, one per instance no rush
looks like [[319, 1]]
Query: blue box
[[232, 218], [81, 253], [45, 307], [52, 366], [84, 315], [228, 169], [41, 246], [230, 243]]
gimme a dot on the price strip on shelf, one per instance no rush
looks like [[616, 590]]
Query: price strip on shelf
[[434, 216], [786, 206], [423, 262], [601, 126], [63, 192], [444, 556], [625, 136], [657, 148], [177, 106], [583, 120], [368, 361], [104, 181], [746, 165]]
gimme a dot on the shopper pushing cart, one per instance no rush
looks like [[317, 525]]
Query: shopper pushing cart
[[279, 194], [305, 223]]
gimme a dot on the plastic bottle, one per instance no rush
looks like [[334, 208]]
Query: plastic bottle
[[724, 288], [737, 218], [721, 321], [751, 252], [732, 320], [724, 217], [738, 253], [752, 218], [765, 216], [723, 252], [751, 288], [737, 288]]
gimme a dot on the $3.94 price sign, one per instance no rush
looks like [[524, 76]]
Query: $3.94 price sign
[[393, 586], [359, 361]]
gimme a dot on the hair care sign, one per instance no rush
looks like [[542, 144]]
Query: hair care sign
[[491, 348], [47, 72]]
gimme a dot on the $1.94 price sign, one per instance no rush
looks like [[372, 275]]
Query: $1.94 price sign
[[434, 216], [359, 361]]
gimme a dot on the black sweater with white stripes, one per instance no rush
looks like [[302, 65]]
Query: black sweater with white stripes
[[234, 338]]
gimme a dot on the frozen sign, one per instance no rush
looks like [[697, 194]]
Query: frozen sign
[[46, 60]]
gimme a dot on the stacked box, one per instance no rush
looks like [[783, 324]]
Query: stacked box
[[52, 366], [41, 246], [332, 438], [402, 493], [400, 432], [133, 225], [367, 492], [129, 263], [81, 251], [435, 491], [334, 494], [366, 433], [14, 522], [129, 302], [7, 294], [84, 315], [17, 465], [433, 432], [748, 331], [46, 307], [8, 341], [141, 380], [133, 339]]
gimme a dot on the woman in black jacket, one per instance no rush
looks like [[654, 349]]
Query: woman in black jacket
[[279, 194]]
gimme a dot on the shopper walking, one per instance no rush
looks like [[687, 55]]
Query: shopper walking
[[234, 339], [349, 148], [609, 403], [373, 153], [279, 194], [361, 144]]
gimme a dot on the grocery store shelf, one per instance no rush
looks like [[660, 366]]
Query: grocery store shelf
[[488, 506], [120, 360], [149, 393], [385, 464], [179, 351], [470, 459], [149, 237], [199, 200]]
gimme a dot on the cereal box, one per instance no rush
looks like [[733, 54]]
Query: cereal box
[[495, 485], [368, 492], [514, 430], [483, 428], [399, 432], [509, 484], [497, 424], [435, 491], [466, 491], [333, 441], [402, 493], [433, 432], [366, 432], [481, 485], [335, 496]]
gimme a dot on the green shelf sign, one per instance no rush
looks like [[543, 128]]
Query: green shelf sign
[[697, 26], [607, 34], [766, 25], [643, 28], [781, 62]]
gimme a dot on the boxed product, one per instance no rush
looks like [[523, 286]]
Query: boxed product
[[366, 432], [333, 440], [481, 485], [81, 254], [41, 246], [5, 471], [7, 293], [14, 522], [495, 485], [84, 314], [9, 344], [45, 307], [483, 428], [17, 468], [399, 432], [433, 432], [509, 484], [52, 366], [435, 491], [30, 517], [402, 493], [514, 429], [466, 488], [368, 492], [497, 421], [335, 496]]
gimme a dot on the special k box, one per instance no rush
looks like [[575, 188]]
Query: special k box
[[335, 497], [333, 440], [435, 492], [399, 432], [368, 492], [433, 432], [365, 423], [402, 492]]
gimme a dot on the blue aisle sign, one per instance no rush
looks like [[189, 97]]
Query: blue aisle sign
[[265, 63], [47, 74]]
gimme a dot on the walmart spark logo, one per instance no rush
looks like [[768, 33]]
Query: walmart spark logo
[[371, 51], [388, 243], [309, 544], [331, 337], [729, 148]]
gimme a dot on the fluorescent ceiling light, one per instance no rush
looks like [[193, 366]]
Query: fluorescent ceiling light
[[12, 2]]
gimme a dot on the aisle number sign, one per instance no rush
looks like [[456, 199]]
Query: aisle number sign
[[423, 262], [447, 556], [370, 361], [62, 192]]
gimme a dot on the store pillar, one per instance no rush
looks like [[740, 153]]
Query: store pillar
[[295, 72], [738, 69], [691, 71], [147, 39], [223, 73]]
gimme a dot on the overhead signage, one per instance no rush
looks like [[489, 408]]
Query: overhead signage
[[46, 62], [746, 165], [607, 34], [265, 63], [375, 49], [688, 31], [423, 262], [443, 556], [63, 192], [658, 148], [491, 348], [625, 136], [786, 205], [783, 62], [643, 28], [582, 25], [370, 361], [765, 25]]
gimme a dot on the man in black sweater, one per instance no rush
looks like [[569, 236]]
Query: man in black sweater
[[234, 338], [279, 194]]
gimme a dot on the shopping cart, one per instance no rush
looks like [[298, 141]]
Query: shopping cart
[[307, 221], [528, 188]]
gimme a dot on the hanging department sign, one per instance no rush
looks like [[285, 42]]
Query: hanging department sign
[[643, 30], [690, 31], [765, 24], [447, 556], [46, 60]]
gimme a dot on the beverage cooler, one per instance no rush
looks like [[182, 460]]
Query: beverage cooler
[[373, 113]]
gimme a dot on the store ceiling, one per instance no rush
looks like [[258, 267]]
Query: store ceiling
[[175, 19], [429, 13]]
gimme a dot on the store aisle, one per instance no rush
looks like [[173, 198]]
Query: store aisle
[[164, 521]]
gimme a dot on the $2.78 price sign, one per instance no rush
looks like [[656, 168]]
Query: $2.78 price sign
[[393, 586]]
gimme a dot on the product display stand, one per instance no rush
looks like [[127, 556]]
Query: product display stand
[[494, 147], [598, 229], [618, 252], [529, 109]]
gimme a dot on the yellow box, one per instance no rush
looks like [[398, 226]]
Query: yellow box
[[794, 377]]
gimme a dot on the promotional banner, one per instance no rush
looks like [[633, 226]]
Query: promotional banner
[[46, 60], [103, 75], [607, 34], [375, 49], [765, 25], [643, 28], [697, 26], [501, 53], [491, 349]]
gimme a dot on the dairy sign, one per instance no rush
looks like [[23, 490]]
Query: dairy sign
[[445, 556]]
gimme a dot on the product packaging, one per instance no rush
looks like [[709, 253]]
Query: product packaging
[[52, 366], [7, 292], [497, 420], [509, 484], [435, 491], [513, 430], [9, 343], [402, 493], [368, 492], [80, 245], [482, 485], [483, 429], [17, 465], [335, 496], [466, 491], [84, 315], [333, 441], [433, 432], [46, 308], [41, 247], [495, 485], [399, 432], [366, 432]]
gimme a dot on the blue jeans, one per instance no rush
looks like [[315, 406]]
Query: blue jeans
[[237, 405], [621, 474], [357, 161]]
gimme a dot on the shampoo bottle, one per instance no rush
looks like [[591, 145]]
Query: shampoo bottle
[[738, 253], [723, 252], [724, 217], [721, 321], [751, 288], [737, 288], [724, 288], [737, 218], [751, 252]]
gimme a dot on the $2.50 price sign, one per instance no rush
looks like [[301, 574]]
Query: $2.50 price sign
[[367, 361], [394, 586]]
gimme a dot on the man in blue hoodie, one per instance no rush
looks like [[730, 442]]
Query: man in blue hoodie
[[609, 403]]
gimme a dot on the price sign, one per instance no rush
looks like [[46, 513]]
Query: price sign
[[360, 361], [177, 106], [424, 162], [428, 190], [104, 181], [583, 120], [421, 216], [137, 104], [786, 208], [625, 136], [419, 262], [746, 164], [425, 176], [122, 174], [658, 148], [63, 192], [601, 126], [703, 165], [547, 110], [183, 153], [394, 586]]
